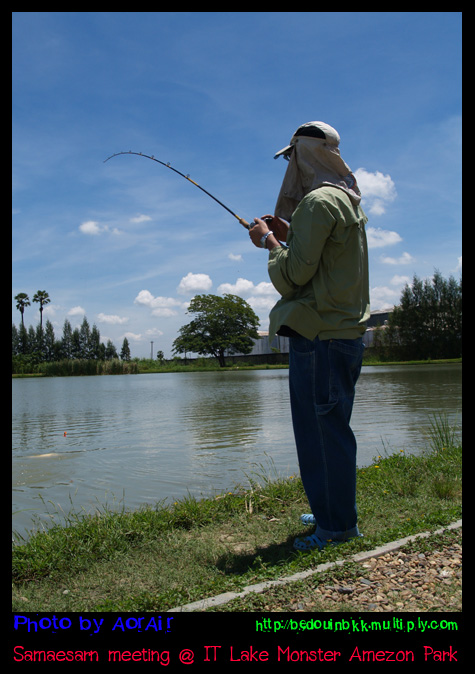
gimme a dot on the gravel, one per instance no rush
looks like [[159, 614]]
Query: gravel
[[402, 580]]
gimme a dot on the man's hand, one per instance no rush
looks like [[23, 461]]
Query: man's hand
[[261, 227], [257, 231], [279, 227]]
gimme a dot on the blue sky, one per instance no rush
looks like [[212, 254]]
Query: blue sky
[[128, 243]]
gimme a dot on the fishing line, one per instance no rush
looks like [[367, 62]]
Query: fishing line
[[243, 222]]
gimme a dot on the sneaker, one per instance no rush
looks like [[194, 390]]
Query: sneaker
[[311, 542], [308, 519]]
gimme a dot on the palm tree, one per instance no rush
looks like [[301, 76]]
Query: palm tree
[[43, 298], [22, 301]]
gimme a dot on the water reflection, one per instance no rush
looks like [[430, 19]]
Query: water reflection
[[145, 438], [395, 406]]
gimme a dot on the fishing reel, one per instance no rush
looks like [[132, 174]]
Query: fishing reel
[[266, 220]]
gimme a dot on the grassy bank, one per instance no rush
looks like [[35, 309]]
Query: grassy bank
[[159, 557], [148, 366], [210, 364]]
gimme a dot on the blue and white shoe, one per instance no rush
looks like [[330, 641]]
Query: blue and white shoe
[[311, 542], [308, 520]]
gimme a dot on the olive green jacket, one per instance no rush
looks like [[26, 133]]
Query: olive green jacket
[[323, 274]]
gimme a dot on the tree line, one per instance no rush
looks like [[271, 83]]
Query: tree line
[[425, 325], [34, 345], [427, 322]]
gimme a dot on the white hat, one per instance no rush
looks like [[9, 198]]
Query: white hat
[[311, 130]]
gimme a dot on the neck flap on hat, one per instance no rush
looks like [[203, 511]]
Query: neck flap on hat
[[313, 162]]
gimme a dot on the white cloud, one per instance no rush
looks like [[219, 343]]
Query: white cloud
[[405, 258], [161, 306], [93, 228], [241, 287], [77, 311], [139, 337], [235, 258], [262, 304], [164, 312], [378, 238], [399, 280], [153, 332], [245, 287], [377, 190], [51, 309], [264, 288], [111, 319], [144, 297], [260, 297], [90, 227], [382, 297], [140, 218], [133, 336], [194, 283]]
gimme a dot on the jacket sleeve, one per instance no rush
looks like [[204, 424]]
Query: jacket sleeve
[[295, 266]]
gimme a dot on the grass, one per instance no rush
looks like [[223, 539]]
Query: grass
[[162, 556], [339, 588], [149, 366]]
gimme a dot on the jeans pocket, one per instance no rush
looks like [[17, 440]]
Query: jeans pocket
[[345, 360], [350, 347], [301, 345], [347, 351]]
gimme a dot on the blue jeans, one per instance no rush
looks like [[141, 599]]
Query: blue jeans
[[322, 379]]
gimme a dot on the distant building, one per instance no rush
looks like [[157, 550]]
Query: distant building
[[263, 352], [378, 319], [280, 344], [262, 347]]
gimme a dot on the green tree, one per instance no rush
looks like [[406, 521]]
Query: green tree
[[49, 350], [85, 339], [427, 323], [67, 341], [102, 351], [40, 342], [15, 340], [76, 348], [222, 324], [42, 297], [125, 350], [22, 301], [22, 340], [110, 351], [31, 345], [94, 343]]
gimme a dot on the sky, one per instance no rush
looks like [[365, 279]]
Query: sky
[[128, 243]]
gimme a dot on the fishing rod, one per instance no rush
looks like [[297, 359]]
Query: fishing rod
[[243, 222]]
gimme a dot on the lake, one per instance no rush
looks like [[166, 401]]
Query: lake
[[127, 440]]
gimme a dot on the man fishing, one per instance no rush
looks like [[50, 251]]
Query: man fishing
[[321, 274]]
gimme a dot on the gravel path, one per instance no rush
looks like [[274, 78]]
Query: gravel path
[[422, 573], [429, 580]]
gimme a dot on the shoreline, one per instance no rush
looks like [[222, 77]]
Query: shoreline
[[171, 556], [192, 367]]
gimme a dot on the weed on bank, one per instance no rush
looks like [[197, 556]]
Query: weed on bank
[[162, 556]]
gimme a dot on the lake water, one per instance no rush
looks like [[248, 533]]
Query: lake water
[[82, 442]]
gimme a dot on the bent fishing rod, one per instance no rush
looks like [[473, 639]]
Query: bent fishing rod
[[243, 222]]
